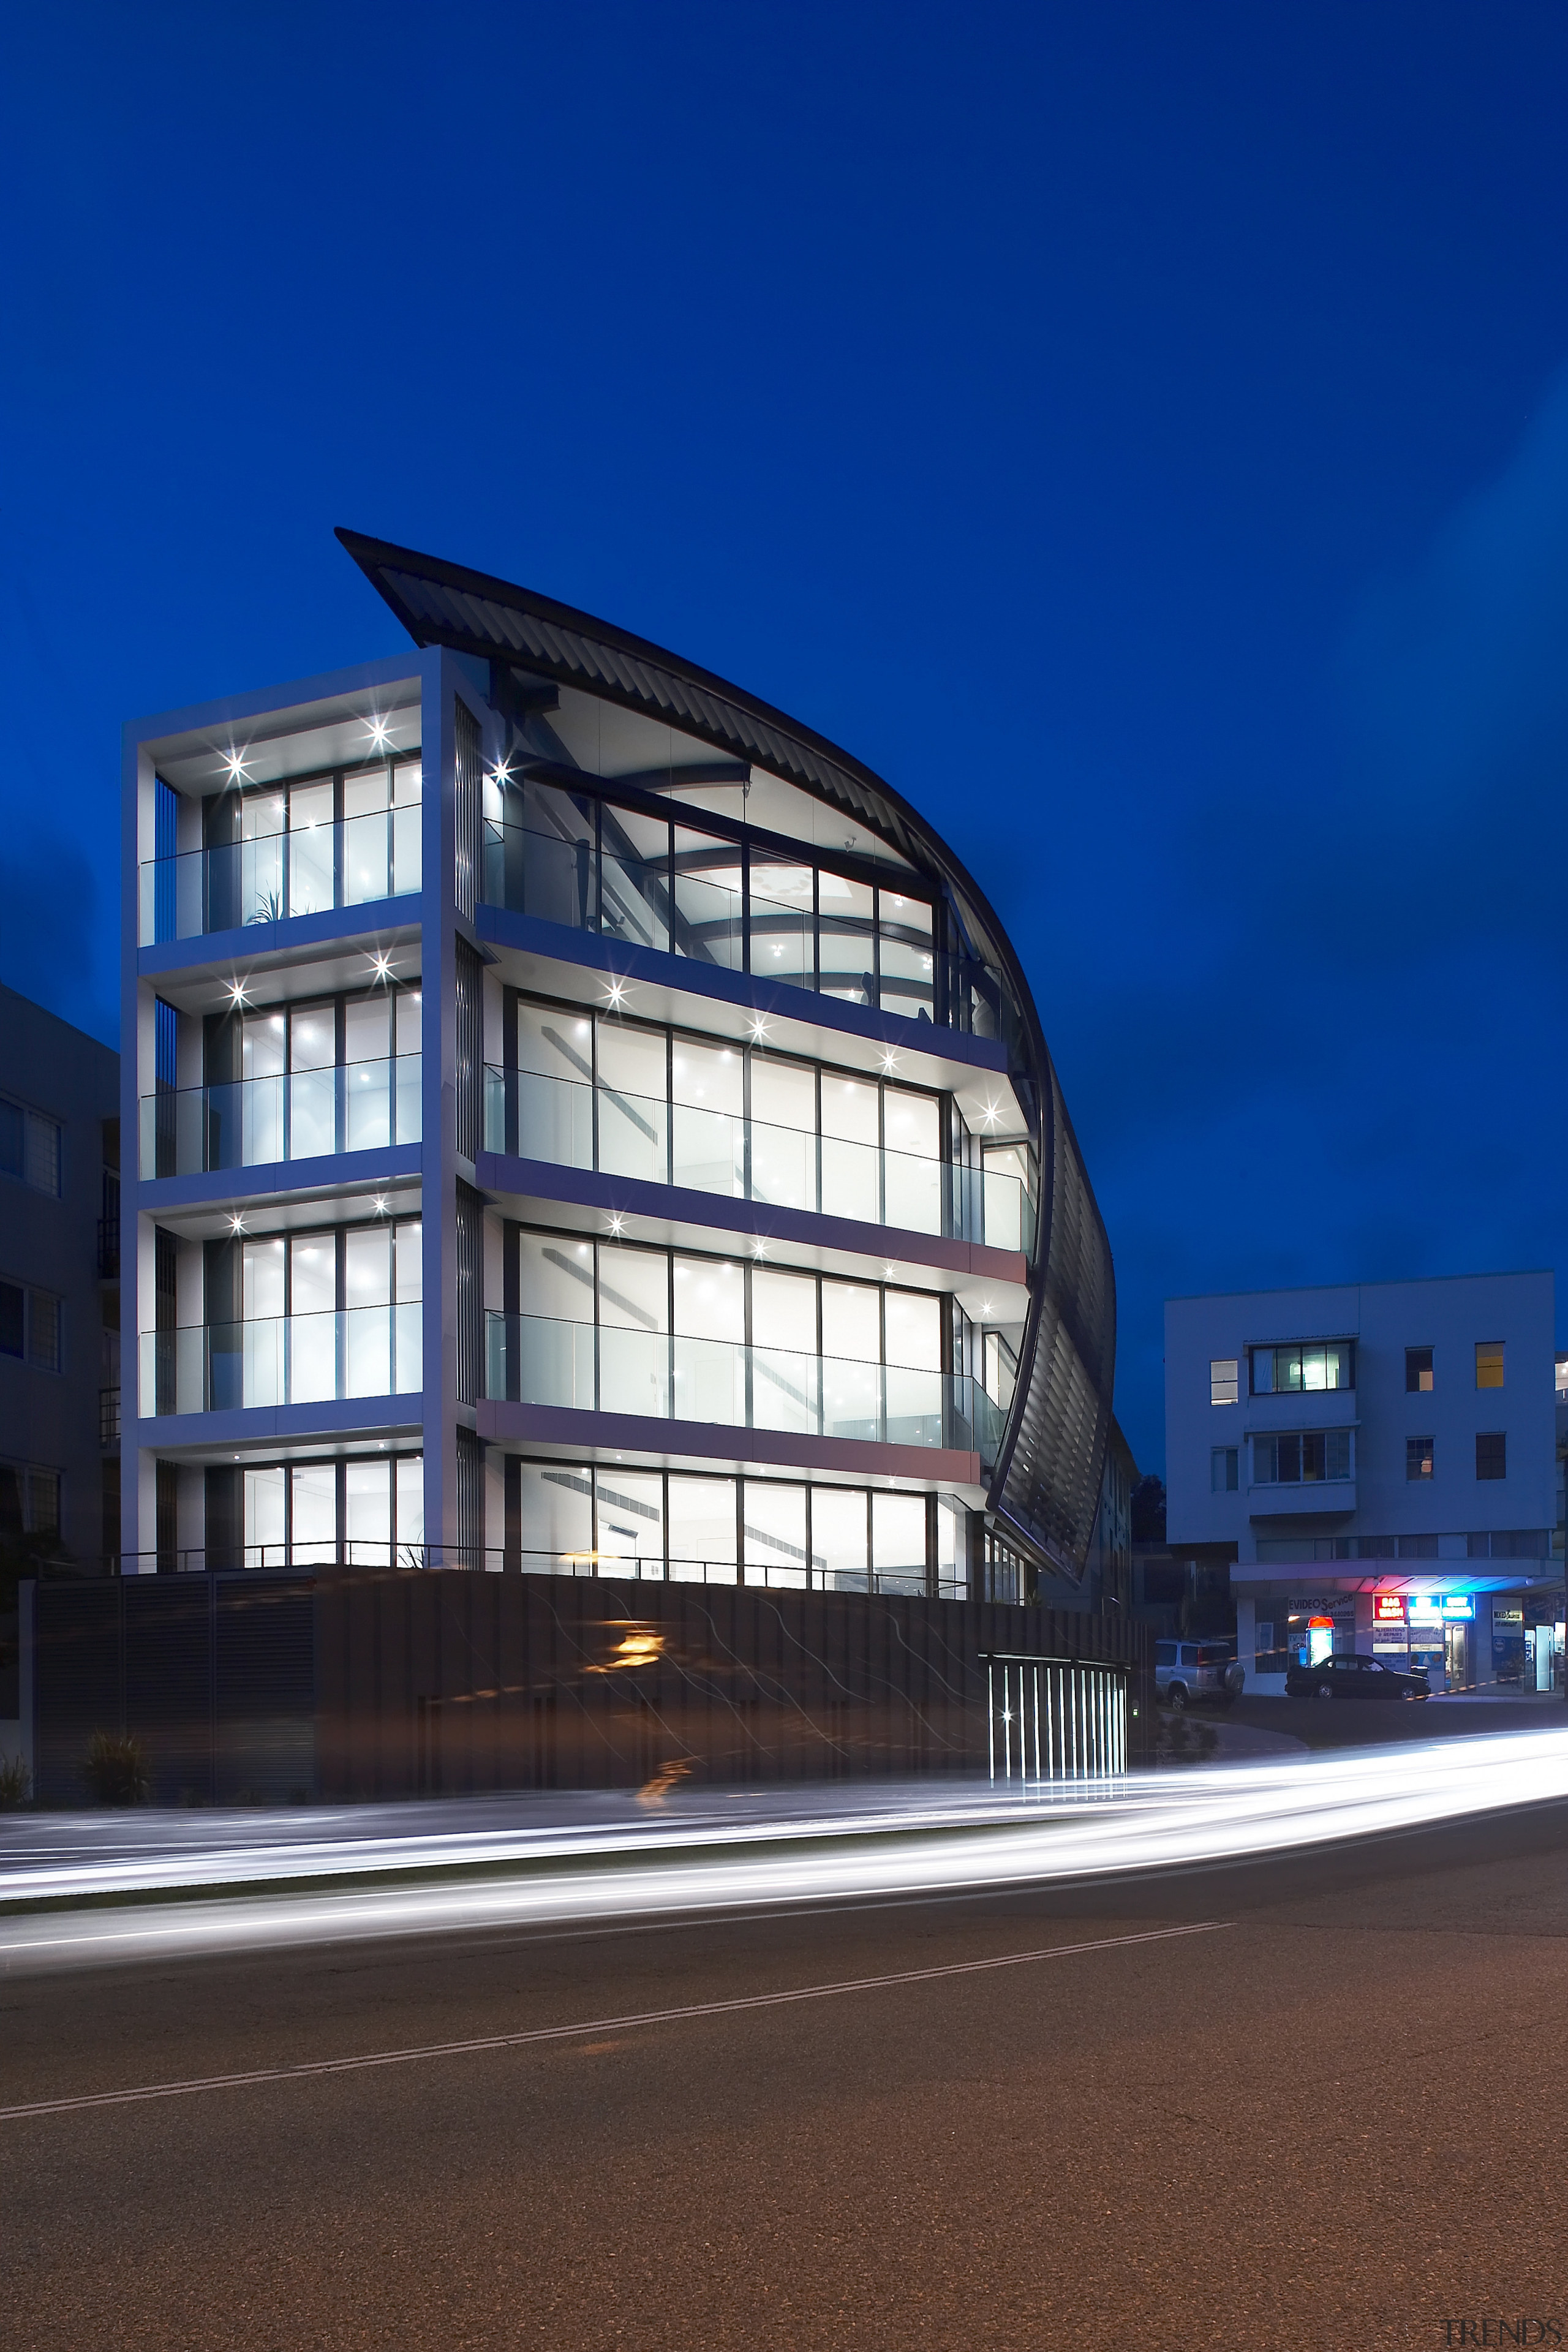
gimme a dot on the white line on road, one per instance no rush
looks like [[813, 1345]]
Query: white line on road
[[594, 2025]]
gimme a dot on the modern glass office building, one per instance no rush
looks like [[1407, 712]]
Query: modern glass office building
[[586, 1124]]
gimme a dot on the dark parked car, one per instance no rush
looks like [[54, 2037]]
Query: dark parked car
[[1355, 1677]]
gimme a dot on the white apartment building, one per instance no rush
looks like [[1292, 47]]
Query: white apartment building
[[1377, 1460]]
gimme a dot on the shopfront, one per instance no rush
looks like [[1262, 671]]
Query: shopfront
[[1464, 1638]]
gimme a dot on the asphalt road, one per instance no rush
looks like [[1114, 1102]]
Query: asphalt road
[[1334, 2119]]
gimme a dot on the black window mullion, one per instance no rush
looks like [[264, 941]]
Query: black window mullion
[[594, 1019], [598, 1384], [509, 1137], [340, 1318], [341, 1511], [339, 1075], [337, 837]]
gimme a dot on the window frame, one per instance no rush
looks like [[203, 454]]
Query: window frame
[[1274, 1349], [30, 1294]]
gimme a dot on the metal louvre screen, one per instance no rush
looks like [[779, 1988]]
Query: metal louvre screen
[[470, 1255], [1056, 1719], [466, 807], [1051, 1487], [468, 977], [470, 1498]]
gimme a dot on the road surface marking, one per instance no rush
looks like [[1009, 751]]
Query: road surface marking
[[598, 2025]]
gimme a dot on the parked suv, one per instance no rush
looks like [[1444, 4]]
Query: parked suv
[[1189, 1671]]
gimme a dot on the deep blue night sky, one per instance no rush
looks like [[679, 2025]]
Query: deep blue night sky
[[1141, 433]]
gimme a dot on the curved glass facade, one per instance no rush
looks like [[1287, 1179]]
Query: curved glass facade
[[742, 996]]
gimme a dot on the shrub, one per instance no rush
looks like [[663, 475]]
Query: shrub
[[15, 1783], [1180, 1740], [117, 1769]]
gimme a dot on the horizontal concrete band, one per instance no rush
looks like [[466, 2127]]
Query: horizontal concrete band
[[565, 1430], [245, 1427], [530, 1179]]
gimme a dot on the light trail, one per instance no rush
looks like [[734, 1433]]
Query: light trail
[[481, 2043], [1145, 1824]]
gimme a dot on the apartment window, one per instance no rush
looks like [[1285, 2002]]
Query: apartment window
[[1225, 1380], [30, 1148], [1491, 1453], [1418, 1372], [1489, 1366], [1224, 1470], [1418, 1457], [571, 1519], [368, 1512], [1311, 1457], [30, 1326], [29, 1501], [635, 1100], [1302, 1367]]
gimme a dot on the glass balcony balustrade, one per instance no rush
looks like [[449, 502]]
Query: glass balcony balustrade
[[357, 1352], [306, 871], [304, 1115], [882, 957], [594, 1367], [531, 1115]]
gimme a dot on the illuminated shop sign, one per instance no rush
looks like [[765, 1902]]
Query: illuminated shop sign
[[1425, 1609], [1458, 1605], [1388, 1609]]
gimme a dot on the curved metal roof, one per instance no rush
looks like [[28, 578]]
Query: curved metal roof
[[1048, 1476]]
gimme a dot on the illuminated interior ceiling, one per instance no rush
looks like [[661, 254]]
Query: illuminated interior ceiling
[[1050, 1467]]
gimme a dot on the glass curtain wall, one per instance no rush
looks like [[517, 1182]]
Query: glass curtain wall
[[648, 877], [346, 837], [579, 1518], [665, 1106], [368, 1512]]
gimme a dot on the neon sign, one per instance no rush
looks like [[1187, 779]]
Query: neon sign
[[1388, 1609]]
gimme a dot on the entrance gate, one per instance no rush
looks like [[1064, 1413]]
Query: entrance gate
[[1056, 1719]]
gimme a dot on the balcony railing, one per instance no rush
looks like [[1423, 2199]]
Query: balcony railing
[[276, 875], [950, 1583], [108, 1249], [535, 1116], [283, 1359], [652, 903], [307, 1115], [593, 1368], [108, 1416]]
